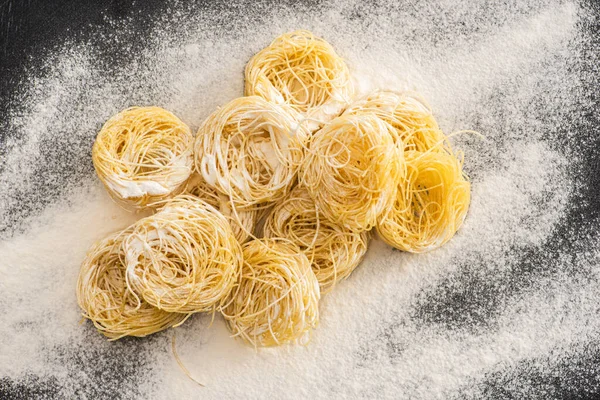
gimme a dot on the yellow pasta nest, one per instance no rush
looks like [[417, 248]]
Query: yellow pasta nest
[[184, 258], [303, 71], [334, 251], [143, 155], [414, 126], [295, 161], [352, 169], [242, 221], [431, 203], [103, 295], [250, 150], [277, 298]]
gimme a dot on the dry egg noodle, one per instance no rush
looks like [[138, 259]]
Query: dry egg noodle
[[430, 205], [334, 251], [303, 71], [352, 169], [242, 222], [103, 295], [143, 155], [184, 258], [250, 150], [414, 126], [277, 298]]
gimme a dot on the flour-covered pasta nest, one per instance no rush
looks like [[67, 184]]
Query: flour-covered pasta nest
[[250, 150], [277, 298], [333, 250], [143, 155], [184, 258], [303, 71], [103, 295], [414, 126], [352, 169], [431, 203]]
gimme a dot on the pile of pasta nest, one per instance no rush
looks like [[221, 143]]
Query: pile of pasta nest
[[271, 204]]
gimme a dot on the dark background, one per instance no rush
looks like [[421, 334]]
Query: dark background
[[31, 29]]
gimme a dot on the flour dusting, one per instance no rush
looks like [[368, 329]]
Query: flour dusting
[[516, 289]]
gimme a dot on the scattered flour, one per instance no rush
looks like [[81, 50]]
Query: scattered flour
[[480, 68]]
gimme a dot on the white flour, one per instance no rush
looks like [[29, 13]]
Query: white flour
[[489, 74]]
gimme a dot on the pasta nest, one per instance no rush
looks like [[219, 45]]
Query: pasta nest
[[242, 221], [352, 169], [303, 71], [277, 298], [334, 251], [184, 258], [143, 155], [250, 150], [431, 203], [414, 126], [103, 295]]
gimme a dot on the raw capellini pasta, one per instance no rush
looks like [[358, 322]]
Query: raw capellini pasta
[[184, 258], [431, 204], [352, 169], [334, 251], [143, 155], [277, 298], [296, 161], [415, 128], [303, 71], [103, 295], [242, 222], [250, 150]]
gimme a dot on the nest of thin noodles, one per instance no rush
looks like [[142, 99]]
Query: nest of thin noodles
[[143, 155], [414, 126], [303, 71], [103, 295], [184, 258], [242, 221], [250, 150], [431, 203], [352, 169], [276, 300], [334, 251]]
